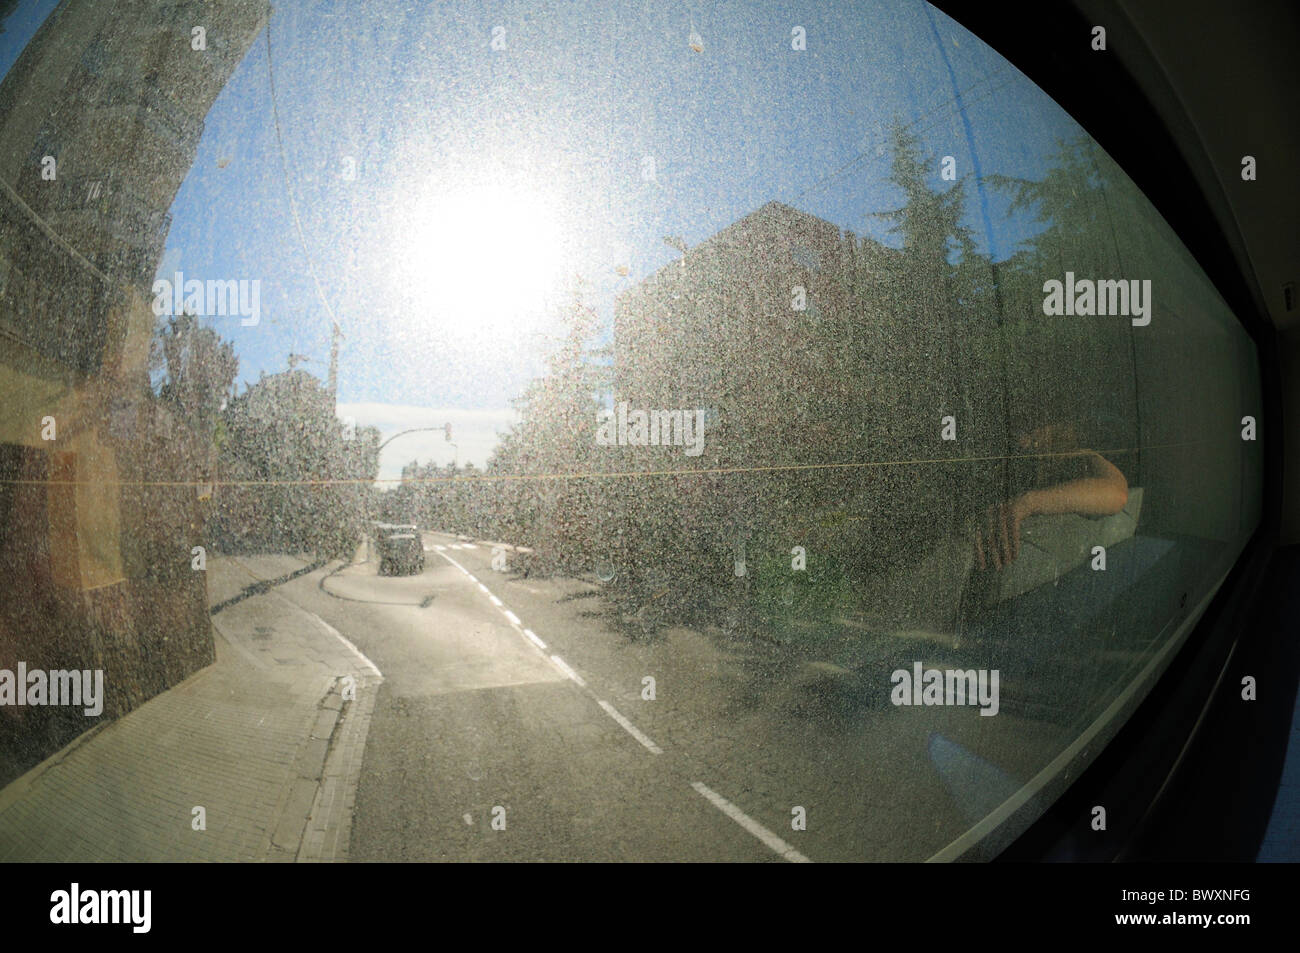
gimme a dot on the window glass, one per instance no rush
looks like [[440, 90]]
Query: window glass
[[806, 360]]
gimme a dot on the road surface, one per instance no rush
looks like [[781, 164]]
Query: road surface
[[515, 723]]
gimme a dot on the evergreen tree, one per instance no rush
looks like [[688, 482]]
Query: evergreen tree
[[1057, 367], [928, 299], [555, 435]]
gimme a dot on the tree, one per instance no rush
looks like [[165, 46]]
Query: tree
[[556, 434], [929, 222], [931, 299], [198, 371], [1086, 356], [1070, 203], [298, 483]]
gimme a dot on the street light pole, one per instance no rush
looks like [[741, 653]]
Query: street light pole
[[445, 427]]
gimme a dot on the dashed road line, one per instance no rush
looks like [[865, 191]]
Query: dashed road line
[[630, 728], [717, 800], [751, 825], [560, 664]]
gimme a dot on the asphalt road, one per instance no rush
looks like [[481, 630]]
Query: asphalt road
[[485, 745]]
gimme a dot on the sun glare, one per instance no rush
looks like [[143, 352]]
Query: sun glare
[[489, 258]]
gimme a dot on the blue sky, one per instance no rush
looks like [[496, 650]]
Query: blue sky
[[20, 27], [414, 99]]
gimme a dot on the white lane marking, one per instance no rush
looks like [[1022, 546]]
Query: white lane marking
[[439, 548], [355, 651], [468, 546], [516, 624], [751, 825], [532, 637], [336, 633], [559, 663], [630, 728]]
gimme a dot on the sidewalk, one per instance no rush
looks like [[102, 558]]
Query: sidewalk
[[264, 740]]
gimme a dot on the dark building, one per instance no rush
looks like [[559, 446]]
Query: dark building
[[744, 324], [100, 119]]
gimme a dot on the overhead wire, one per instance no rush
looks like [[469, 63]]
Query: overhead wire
[[288, 186]]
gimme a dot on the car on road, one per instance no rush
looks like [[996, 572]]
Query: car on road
[[401, 549]]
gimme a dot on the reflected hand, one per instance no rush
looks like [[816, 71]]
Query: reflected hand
[[997, 533]]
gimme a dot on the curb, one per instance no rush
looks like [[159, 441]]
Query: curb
[[263, 586]]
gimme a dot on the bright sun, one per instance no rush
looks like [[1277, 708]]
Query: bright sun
[[488, 258]]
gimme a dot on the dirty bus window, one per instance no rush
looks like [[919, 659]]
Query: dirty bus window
[[418, 424]]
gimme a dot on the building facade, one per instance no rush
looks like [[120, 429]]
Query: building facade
[[100, 119]]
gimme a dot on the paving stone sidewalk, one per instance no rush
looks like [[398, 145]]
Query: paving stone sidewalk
[[267, 741]]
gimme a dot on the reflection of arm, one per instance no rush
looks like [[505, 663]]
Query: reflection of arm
[[1102, 493]]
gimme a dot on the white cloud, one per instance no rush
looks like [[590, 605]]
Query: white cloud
[[474, 432]]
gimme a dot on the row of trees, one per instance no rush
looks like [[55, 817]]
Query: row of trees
[[287, 476]]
